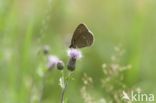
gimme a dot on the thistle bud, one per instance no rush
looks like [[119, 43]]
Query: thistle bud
[[46, 50], [60, 65], [71, 64]]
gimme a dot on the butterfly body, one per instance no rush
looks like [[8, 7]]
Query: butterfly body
[[82, 37]]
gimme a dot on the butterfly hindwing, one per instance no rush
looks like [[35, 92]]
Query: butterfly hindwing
[[86, 39]]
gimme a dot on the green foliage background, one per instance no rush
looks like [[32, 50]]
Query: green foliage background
[[27, 25]]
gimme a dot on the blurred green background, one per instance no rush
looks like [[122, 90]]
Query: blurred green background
[[27, 25]]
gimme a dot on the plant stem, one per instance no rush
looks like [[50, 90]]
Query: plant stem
[[62, 93], [42, 88], [65, 87]]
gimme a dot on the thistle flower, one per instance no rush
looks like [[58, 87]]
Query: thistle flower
[[54, 61], [74, 54]]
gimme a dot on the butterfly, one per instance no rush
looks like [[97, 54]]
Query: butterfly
[[82, 37]]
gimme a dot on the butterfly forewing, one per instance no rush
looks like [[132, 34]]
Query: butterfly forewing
[[82, 37]]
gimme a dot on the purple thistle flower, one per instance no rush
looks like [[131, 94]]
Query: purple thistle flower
[[74, 54], [52, 61]]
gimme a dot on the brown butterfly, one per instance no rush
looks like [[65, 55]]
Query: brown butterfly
[[82, 37]]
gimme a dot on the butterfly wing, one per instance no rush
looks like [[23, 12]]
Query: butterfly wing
[[82, 37], [86, 39]]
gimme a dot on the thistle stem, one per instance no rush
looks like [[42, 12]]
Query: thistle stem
[[62, 93], [66, 82]]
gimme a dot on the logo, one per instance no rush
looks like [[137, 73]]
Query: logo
[[137, 97]]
